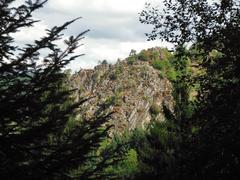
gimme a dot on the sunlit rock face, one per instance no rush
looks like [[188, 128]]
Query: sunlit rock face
[[134, 91]]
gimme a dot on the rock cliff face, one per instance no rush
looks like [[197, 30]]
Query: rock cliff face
[[135, 92]]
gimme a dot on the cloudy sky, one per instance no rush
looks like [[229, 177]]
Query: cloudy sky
[[114, 28]]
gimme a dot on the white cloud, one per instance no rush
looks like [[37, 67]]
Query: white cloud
[[27, 35], [114, 25], [114, 6]]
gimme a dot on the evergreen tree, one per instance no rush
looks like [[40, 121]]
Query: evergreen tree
[[40, 135], [156, 152]]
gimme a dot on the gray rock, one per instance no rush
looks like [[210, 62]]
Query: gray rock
[[131, 90]]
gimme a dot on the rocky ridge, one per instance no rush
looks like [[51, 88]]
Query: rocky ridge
[[135, 92]]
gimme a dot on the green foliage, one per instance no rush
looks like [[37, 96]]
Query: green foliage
[[126, 166], [166, 68], [116, 74], [130, 163], [115, 100], [158, 64], [156, 150], [143, 55], [154, 109], [132, 57], [159, 58], [119, 69], [209, 132], [131, 60], [154, 56], [172, 74], [99, 163]]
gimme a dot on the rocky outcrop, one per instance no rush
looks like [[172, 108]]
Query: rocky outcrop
[[135, 92]]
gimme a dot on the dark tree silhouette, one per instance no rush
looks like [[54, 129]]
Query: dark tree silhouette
[[40, 135], [209, 26]]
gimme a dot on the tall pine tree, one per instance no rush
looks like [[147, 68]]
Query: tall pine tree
[[40, 135]]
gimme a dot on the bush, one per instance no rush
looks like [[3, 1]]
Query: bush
[[131, 60], [154, 109], [161, 64], [143, 56]]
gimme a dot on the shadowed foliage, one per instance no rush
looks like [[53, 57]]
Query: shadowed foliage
[[212, 29], [41, 136]]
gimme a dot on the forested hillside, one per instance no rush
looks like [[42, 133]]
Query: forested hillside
[[158, 114]]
